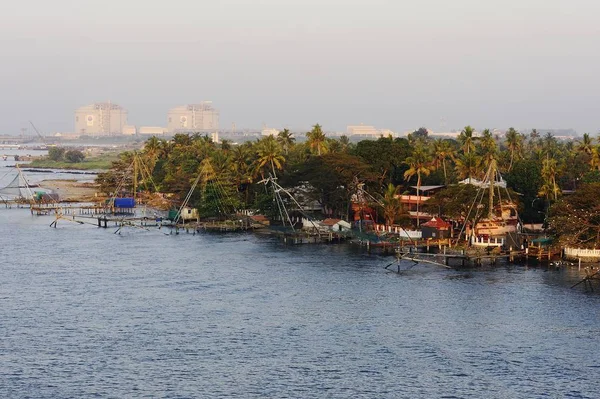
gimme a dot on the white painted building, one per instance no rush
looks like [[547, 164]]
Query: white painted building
[[331, 225], [129, 130], [269, 132], [362, 130], [368, 131], [193, 118], [100, 119], [188, 214]]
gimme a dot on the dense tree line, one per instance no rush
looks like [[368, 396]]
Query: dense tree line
[[536, 168], [61, 154]]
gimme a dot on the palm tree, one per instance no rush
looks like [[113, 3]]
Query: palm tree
[[226, 145], [489, 148], [549, 172], [345, 142], [240, 164], [152, 146], [204, 146], [220, 162], [585, 145], [317, 140], [468, 165], [286, 139], [419, 164], [390, 204], [269, 154], [549, 144], [533, 142], [595, 158], [152, 150], [442, 151], [514, 143], [534, 135], [207, 171], [467, 140], [333, 146]]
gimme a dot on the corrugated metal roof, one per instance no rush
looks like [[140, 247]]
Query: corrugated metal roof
[[427, 188]]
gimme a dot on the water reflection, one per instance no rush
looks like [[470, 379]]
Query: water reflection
[[86, 312]]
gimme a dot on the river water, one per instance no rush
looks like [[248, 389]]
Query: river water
[[36, 176], [88, 313]]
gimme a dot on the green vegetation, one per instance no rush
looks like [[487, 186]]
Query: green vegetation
[[576, 218], [59, 158], [538, 170]]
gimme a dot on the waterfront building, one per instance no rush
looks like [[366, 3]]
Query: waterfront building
[[193, 118], [413, 203], [100, 119], [436, 228], [336, 225], [129, 130]]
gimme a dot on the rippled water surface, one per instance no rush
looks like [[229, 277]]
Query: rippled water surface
[[87, 313]]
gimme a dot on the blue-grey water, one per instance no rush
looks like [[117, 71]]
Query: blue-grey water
[[88, 313]]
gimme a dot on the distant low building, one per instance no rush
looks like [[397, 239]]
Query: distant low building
[[269, 132], [362, 130], [129, 130], [444, 135], [67, 136], [151, 130], [367, 131]]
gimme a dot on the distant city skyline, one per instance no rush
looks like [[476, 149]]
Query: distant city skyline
[[173, 122], [391, 64]]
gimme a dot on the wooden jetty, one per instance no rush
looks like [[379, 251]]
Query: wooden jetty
[[447, 259], [542, 254]]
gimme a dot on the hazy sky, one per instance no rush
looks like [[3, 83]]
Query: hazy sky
[[390, 63]]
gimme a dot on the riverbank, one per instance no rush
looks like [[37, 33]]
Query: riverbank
[[72, 190], [100, 162]]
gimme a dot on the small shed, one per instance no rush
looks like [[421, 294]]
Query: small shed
[[188, 213], [126, 202], [436, 228], [46, 198], [336, 225]]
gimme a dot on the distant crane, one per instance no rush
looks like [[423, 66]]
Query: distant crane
[[38, 133]]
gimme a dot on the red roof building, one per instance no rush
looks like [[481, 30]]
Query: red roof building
[[437, 223], [436, 228]]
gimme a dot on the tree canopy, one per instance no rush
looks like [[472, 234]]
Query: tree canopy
[[536, 166]]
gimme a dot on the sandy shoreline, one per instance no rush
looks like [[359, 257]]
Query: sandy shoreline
[[71, 190]]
